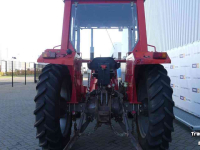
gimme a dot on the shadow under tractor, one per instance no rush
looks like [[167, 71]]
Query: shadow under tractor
[[107, 36]]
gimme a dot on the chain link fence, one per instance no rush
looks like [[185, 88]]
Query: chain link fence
[[12, 72]]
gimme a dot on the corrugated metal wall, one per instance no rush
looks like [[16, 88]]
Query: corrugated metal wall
[[172, 23]]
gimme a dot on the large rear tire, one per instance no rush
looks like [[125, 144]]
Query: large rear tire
[[155, 117], [52, 122]]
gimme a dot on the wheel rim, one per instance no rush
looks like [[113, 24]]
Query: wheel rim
[[64, 119], [143, 117], [65, 90], [64, 125], [143, 122]]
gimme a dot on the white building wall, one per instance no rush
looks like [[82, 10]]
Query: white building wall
[[172, 23]]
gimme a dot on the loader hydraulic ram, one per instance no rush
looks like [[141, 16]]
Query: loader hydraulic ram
[[124, 80]]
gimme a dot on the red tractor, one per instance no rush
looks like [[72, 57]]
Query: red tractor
[[103, 29]]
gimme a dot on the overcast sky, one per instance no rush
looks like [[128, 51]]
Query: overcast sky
[[28, 27]]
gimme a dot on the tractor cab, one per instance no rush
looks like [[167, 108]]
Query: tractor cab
[[103, 30]]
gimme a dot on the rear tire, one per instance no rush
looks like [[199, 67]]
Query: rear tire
[[155, 119], [52, 122]]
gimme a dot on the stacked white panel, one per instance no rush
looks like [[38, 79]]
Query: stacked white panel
[[184, 72]]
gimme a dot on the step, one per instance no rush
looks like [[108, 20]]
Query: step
[[188, 119]]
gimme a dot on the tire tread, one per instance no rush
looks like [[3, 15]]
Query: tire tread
[[48, 88], [160, 107]]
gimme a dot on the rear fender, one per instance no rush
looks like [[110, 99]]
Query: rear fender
[[61, 57], [135, 65], [74, 62]]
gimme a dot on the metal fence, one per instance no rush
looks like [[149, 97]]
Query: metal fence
[[12, 72]]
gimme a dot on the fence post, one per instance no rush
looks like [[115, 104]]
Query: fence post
[[35, 81], [12, 73], [25, 73]]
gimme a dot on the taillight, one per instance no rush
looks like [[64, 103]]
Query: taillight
[[159, 55], [49, 55]]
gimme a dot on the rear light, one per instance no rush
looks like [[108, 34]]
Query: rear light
[[49, 55], [161, 55], [44, 54]]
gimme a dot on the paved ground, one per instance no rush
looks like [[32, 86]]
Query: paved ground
[[8, 80], [17, 131]]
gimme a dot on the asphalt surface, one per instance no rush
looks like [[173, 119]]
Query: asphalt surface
[[8, 80], [17, 131]]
